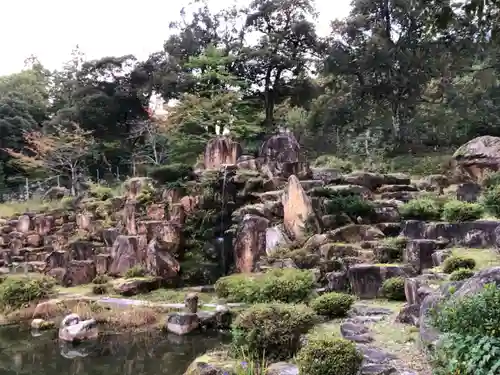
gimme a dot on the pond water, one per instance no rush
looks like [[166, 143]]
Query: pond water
[[125, 354]]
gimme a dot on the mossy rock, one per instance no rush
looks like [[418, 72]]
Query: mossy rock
[[217, 363]]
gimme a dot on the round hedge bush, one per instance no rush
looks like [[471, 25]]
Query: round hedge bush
[[100, 279], [426, 209], [461, 274], [394, 288], [281, 285], [271, 330], [100, 289], [491, 200], [457, 211], [16, 293], [453, 263], [334, 305], [329, 356]]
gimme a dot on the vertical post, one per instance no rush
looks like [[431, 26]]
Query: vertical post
[[58, 180], [27, 189], [97, 175], [118, 173]]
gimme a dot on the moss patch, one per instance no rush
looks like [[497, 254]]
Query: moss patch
[[484, 257]]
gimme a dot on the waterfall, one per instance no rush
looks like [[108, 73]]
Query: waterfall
[[223, 206]]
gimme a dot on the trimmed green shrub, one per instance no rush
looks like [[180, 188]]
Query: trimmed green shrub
[[271, 330], [492, 180], [453, 263], [457, 211], [101, 192], [100, 289], [100, 279], [329, 356], [351, 204], [282, 285], [18, 292], [461, 274], [491, 200], [334, 162], [394, 289], [426, 209], [173, 175], [333, 305], [136, 271]]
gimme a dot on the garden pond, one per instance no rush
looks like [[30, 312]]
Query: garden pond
[[124, 354]]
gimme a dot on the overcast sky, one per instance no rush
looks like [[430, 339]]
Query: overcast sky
[[50, 29]]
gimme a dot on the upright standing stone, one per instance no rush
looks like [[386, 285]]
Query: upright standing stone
[[191, 303]]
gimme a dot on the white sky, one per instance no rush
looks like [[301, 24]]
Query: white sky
[[50, 29]]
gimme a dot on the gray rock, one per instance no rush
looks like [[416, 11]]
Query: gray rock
[[282, 368]]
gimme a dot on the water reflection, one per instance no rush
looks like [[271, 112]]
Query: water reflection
[[138, 354]]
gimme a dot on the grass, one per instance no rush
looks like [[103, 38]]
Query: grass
[[173, 296], [9, 209], [484, 257]]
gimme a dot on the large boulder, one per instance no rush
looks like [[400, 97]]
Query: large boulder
[[250, 242], [221, 151], [479, 155], [299, 216]]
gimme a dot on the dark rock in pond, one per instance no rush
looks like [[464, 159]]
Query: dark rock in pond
[[182, 323], [468, 192], [282, 368], [356, 332], [220, 319]]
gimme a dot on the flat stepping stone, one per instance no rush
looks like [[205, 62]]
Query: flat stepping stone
[[366, 310], [356, 332], [375, 355]]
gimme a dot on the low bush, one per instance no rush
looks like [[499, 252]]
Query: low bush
[[100, 192], [100, 289], [333, 305], [18, 292], [394, 289], [100, 279], [492, 180], [491, 200], [350, 204], [334, 162], [467, 348], [136, 271], [457, 211], [461, 274], [453, 263], [272, 331], [173, 175], [282, 285], [426, 209], [329, 356]]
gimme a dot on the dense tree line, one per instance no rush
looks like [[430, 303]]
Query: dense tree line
[[394, 77]]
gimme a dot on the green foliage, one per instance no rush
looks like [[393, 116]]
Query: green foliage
[[482, 308], [136, 271], [492, 180], [173, 175], [469, 348], [100, 279], [324, 355], [351, 204], [394, 289], [468, 355], [18, 292], [333, 305], [101, 192], [425, 209], [282, 285], [331, 161], [454, 263], [100, 289], [457, 211], [271, 330], [461, 274], [491, 200]]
